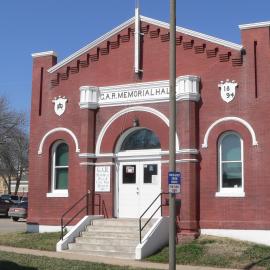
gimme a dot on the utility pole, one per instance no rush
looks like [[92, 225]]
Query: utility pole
[[172, 132]]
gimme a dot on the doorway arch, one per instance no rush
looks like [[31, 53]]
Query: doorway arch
[[138, 172]]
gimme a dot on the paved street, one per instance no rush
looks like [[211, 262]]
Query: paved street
[[8, 225]]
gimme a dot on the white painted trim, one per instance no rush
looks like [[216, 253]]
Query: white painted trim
[[226, 119], [127, 110], [254, 25], [256, 236], [137, 47], [187, 88], [105, 155], [75, 232], [91, 45], [188, 151], [87, 155], [236, 194], [97, 163], [139, 155], [194, 34], [129, 88], [54, 194], [41, 54], [40, 149], [89, 96], [36, 228], [162, 153], [156, 238], [184, 160]]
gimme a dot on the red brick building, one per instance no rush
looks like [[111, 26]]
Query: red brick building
[[100, 122]]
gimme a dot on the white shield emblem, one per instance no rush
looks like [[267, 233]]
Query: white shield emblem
[[227, 90], [59, 105]]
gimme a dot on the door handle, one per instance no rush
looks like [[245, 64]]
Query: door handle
[[137, 190]]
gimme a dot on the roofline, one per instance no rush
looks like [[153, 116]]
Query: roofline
[[254, 25], [195, 34], [91, 45], [148, 20]]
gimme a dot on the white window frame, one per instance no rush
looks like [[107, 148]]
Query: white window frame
[[229, 192], [56, 192]]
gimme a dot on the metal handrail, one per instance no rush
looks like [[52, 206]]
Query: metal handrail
[[140, 219], [63, 226]]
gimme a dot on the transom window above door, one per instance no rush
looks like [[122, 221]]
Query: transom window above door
[[140, 139]]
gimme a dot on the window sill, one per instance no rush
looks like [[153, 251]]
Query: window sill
[[239, 194], [62, 194]]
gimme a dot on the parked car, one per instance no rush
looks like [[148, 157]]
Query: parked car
[[13, 198], [18, 210], [5, 204], [23, 199]]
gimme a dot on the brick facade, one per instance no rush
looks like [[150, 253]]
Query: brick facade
[[110, 62]]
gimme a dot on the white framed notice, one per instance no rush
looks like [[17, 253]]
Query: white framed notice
[[102, 178]]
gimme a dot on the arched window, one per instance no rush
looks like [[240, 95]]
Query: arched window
[[230, 149], [140, 139], [59, 166]]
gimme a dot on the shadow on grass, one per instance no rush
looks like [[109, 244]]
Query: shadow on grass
[[7, 265]]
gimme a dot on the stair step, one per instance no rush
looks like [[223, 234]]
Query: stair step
[[115, 228], [106, 241], [111, 254], [108, 247], [95, 234], [115, 238], [119, 229], [120, 222]]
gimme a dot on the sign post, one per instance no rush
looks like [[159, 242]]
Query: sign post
[[172, 131]]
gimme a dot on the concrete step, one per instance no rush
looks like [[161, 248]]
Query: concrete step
[[116, 238], [107, 247], [111, 254], [108, 241], [121, 222], [115, 229], [90, 233]]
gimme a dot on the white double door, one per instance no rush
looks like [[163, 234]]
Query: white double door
[[139, 183]]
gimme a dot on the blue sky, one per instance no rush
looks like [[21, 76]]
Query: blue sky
[[65, 26]]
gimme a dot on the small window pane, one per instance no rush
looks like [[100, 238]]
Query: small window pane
[[148, 171], [231, 148], [129, 174], [141, 139], [62, 155], [232, 175], [61, 178]]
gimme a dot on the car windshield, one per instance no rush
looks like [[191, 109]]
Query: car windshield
[[10, 197]]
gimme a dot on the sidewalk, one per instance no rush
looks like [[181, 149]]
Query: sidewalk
[[75, 256]]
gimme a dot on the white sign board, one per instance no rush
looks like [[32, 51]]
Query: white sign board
[[102, 178]]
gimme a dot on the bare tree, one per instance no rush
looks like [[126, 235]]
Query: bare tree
[[13, 145]]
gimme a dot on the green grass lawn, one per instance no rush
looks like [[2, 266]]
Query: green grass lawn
[[41, 241], [205, 251], [218, 252], [13, 261]]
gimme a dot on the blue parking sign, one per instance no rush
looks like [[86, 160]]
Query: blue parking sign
[[174, 182]]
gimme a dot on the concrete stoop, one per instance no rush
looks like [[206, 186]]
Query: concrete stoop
[[116, 238]]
